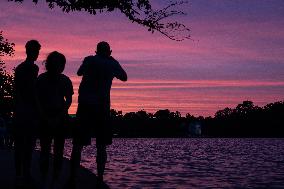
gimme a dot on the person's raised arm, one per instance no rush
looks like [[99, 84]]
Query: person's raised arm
[[119, 72]]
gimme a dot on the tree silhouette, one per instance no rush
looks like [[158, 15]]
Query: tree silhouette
[[225, 113], [163, 114], [6, 48], [6, 79], [138, 11], [246, 107]]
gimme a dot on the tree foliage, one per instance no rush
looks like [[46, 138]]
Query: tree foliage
[[138, 11], [248, 120], [6, 48], [6, 79], [245, 120]]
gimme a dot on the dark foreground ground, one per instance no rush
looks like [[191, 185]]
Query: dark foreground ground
[[86, 179]]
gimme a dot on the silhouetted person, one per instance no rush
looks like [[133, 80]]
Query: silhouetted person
[[25, 115], [54, 91], [93, 110]]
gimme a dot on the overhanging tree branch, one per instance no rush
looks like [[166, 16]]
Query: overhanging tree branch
[[138, 11]]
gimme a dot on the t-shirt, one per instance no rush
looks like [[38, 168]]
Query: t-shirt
[[52, 91], [26, 112], [98, 73], [25, 79]]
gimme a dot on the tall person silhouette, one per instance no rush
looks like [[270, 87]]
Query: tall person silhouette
[[25, 114], [54, 91], [93, 110]]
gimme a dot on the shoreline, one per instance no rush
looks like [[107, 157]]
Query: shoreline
[[86, 179]]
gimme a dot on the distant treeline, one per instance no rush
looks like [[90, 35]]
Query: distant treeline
[[245, 120]]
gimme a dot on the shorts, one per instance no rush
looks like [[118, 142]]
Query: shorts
[[93, 122], [25, 121], [55, 125]]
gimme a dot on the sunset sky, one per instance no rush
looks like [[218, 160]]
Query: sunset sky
[[237, 52]]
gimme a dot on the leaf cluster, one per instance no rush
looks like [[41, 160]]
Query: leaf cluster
[[6, 79], [6, 48]]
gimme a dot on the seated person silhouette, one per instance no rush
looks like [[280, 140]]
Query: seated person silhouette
[[93, 111], [25, 114], [54, 92]]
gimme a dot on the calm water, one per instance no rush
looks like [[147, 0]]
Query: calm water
[[191, 163]]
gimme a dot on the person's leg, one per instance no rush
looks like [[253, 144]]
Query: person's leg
[[2, 140], [11, 141], [58, 154], [75, 159], [45, 145], [79, 140], [19, 155], [101, 160], [28, 151]]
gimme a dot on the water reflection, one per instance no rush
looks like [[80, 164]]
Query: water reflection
[[192, 163]]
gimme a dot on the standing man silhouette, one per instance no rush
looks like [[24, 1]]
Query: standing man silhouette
[[25, 114], [93, 110]]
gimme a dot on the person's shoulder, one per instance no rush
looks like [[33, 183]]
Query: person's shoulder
[[34, 66], [113, 62], [66, 83], [65, 78], [42, 76], [108, 60], [20, 66], [27, 66], [89, 58], [41, 80]]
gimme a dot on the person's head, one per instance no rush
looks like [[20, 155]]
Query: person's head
[[32, 49], [103, 49], [55, 63]]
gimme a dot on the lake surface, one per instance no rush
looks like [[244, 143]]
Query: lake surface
[[191, 163]]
